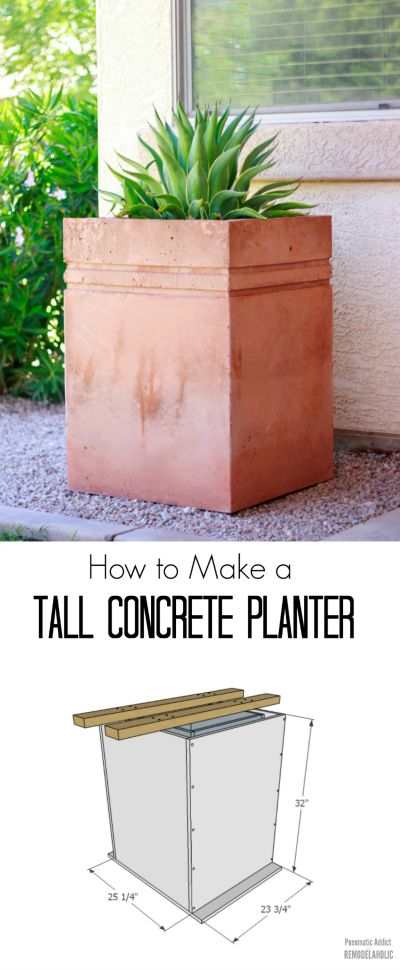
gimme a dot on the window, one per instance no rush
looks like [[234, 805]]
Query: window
[[290, 55]]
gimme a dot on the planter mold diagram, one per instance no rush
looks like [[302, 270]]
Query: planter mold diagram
[[198, 358], [192, 786]]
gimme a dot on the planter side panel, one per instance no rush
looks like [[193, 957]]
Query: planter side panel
[[148, 394], [282, 420], [235, 777], [147, 786]]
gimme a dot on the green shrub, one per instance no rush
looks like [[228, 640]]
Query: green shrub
[[44, 42], [48, 170], [198, 172]]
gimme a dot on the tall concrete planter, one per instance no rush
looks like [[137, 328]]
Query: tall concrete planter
[[198, 358]]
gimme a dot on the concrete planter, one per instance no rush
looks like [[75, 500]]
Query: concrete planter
[[198, 358]]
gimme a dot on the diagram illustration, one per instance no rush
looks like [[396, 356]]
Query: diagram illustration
[[193, 789]]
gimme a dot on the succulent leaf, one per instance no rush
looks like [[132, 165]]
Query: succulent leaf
[[155, 156], [173, 211], [198, 151], [184, 141], [210, 136], [244, 179], [194, 208], [174, 175], [257, 154], [143, 175], [273, 186], [228, 132], [240, 137], [183, 117], [173, 138], [196, 185], [259, 201], [291, 205], [218, 177], [219, 200], [112, 196], [166, 197], [143, 212], [243, 213], [222, 121], [163, 140]]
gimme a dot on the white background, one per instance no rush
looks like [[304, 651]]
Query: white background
[[55, 915]]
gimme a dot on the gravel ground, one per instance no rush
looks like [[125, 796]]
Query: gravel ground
[[32, 475]]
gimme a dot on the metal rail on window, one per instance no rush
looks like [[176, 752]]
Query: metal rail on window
[[182, 76]]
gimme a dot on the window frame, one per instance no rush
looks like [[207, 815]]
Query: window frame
[[182, 60]]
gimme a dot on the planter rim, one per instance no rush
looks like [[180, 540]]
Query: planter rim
[[196, 243], [181, 223]]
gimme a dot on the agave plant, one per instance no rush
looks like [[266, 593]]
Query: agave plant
[[197, 172]]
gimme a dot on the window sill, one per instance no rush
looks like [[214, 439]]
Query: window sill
[[335, 149]]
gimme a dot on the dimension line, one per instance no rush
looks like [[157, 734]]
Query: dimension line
[[301, 716], [100, 877], [297, 840], [298, 891], [148, 917], [252, 927], [91, 868], [219, 932], [176, 924], [308, 753], [298, 874]]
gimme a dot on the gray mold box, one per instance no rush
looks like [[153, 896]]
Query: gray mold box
[[216, 724], [193, 809]]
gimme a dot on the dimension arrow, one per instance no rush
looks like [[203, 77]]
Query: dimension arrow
[[297, 842], [308, 753], [298, 891], [219, 933], [301, 716], [100, 877], [237, 938], [91, 868], [149, 917], [298, 874], [175, 924]]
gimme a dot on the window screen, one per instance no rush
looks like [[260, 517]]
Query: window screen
[[296, 54]]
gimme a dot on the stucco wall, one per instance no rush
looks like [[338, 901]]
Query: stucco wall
[[351, 169], [366, 299], [134, 66]]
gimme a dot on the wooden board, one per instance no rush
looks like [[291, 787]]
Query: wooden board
[[113, 714], [160, 722]]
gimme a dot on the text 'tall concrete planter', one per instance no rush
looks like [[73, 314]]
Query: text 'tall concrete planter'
[[198, 358]]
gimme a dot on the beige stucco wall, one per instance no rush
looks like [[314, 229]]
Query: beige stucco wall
[[134, 67], [351, 169], [366, 295]]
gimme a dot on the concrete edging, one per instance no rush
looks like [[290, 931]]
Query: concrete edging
[[55, 527], [348, 440], [382, 528]]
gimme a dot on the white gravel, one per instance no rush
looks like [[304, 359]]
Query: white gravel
[[32, 475]]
